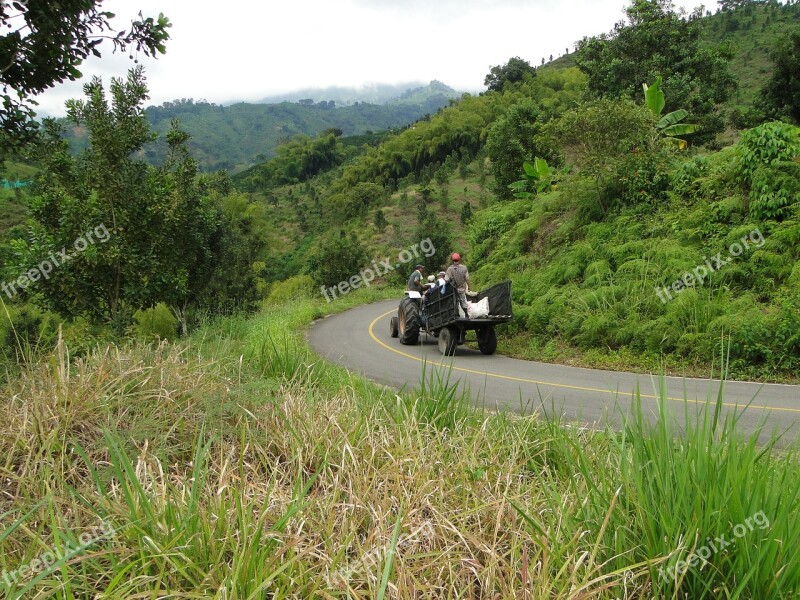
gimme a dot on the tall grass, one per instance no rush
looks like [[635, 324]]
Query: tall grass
[[233, 468], [439, 402], [706, 512]]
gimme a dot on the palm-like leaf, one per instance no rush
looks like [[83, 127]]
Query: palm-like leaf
[[654, 97], [531, 170], [672, 118], [542, 170], [680, 129]]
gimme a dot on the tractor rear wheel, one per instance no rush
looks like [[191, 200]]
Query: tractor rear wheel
[[408, 323]]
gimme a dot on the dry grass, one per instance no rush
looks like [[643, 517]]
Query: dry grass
[[367, 463], [222, 483]]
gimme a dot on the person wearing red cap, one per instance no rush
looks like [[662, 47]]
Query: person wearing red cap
[[458, 275]]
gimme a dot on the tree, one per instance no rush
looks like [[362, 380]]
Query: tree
[[780, 96], [512, 140], [515, 70], [356, 201], [466, 213], [655, 41], [159, 225], [598, 137], [380, 220], [240, 247], [440, 233], [45, 44], [730, 5], [336, 258]]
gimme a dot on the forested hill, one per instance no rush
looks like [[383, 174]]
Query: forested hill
[[237, 136]]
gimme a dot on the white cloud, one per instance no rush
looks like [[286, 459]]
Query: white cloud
[[248, 50]]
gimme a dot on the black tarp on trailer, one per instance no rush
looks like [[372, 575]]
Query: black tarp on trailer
[[499, 299]]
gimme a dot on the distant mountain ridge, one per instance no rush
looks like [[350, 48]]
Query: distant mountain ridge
[[376, 93], [239, 135]]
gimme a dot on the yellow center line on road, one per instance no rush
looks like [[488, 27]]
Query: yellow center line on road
[[558, 385]]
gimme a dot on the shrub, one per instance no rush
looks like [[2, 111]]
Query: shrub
[[512, 140], [25, 329], [686, 177], [767, 169], [335, 258], [294, 288], [157, 323]]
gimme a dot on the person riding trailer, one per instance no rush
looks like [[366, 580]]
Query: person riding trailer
[[438, 284], [458, 275], [415, 281]]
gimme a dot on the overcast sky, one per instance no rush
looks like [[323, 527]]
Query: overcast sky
[[247, 50]]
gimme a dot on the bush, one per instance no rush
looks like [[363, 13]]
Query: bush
[[512, 140], [336, 258], [643, 177], [26, 329], [686, 177], [599, 137], [767, 169], [157, 323], [294, 288]]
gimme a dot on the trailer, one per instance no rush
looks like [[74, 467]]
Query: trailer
[[439, 314]]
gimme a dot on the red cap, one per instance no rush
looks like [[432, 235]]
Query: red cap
[[456, 257]]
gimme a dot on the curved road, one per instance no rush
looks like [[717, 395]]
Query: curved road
[[359, 340]]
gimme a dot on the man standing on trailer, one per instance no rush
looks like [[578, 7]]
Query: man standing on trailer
[[458, 276]]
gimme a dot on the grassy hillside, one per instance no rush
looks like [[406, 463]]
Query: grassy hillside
[[752, 31]]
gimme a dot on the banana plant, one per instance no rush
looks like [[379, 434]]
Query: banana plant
[[538, 177], [668, 125]]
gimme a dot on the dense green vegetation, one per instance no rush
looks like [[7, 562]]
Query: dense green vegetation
[[109, 237], [44, 44], [627, 216], [644, 47], [752, 30]]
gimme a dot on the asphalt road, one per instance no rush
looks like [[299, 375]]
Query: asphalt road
[[359, 340]]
